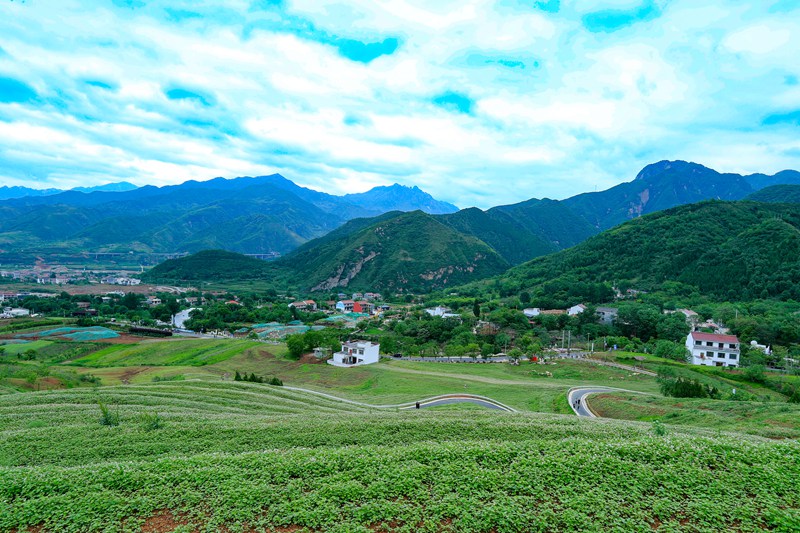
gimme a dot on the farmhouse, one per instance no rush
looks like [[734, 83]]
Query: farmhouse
[[305, 305], [345, 306], [607, 315], [363, 307], [356, 353], [576, 310], [711, 349]]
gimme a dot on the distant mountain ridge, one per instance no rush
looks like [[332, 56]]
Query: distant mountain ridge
[[249, 214], [7, 193]]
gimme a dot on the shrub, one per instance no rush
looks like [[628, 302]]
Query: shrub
[[275, 381], [151, 421], [107, 416], [659, 429]]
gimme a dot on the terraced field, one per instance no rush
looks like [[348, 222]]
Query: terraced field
[[200, 455]]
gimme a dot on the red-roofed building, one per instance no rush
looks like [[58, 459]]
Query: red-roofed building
[[711, 349], [363, 307]]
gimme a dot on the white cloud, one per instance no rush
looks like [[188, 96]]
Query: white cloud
[[558, 110]]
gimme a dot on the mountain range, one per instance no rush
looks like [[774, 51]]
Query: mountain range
[[7, 193], [250, 215], [387, 238]]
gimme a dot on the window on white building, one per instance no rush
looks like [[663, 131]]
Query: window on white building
[[732, 356]]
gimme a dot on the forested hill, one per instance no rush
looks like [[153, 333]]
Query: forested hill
[[408, 252], [777, 194], [211, 265], [727, 250]]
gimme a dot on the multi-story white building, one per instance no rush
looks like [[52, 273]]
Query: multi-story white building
[[356, 353], [711, 349]]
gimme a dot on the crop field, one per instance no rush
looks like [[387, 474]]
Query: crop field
[[185, 352], [197, 455]]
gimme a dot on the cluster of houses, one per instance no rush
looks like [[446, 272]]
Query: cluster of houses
[[365, 304]]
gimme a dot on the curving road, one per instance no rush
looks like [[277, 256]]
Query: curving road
[[443, 399]]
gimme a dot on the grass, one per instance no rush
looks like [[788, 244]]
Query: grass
[[259, 458], [767, 419], [392, 381], [177, 352]]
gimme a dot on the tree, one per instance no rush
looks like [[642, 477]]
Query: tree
[[296, 344], [476, 309]]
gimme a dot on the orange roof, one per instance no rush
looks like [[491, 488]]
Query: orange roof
[[713, 337]]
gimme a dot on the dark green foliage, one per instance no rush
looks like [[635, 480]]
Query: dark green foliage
[[681, 387], [237, 376], [734, 251], [211, 265], [274, 380], [296, 345], [777, 194]]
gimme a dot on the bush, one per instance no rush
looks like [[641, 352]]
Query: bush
[[275, 381], [685, 388], [755, 374], [151, 421], [107, 416], [659, 429]]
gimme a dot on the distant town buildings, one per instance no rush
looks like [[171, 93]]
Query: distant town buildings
[[305, 305], [443, 312], [712, 349]]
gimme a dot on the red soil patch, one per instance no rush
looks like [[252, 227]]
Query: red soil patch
[[163, 522], [310, 359]]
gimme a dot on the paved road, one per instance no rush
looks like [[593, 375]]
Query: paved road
[[449, 401], [427, 402]]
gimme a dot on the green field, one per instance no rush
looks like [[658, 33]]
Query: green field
[[768, 419], [255, 458], [183, 352]]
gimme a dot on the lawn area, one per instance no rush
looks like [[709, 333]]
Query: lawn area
[[767, 419], [524, 387], [214, 456], [166, 352]]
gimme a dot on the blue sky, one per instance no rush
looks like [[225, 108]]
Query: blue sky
[[477, 102]]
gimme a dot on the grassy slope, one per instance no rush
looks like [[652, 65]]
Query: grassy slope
[[254, 456], [769, 419], [185, 352]]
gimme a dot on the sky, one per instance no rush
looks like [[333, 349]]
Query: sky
[[478, 102]]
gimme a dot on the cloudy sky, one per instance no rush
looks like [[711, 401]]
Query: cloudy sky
[[479, 102]]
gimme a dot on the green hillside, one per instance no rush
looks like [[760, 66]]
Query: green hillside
[[412, 251], [734, 251], [213, 456], [777, 194], [210, 265], [509, 238]]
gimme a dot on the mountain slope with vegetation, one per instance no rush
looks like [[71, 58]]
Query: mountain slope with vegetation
[[729, 250], [777, 194], [411, 251], [210, 265]]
